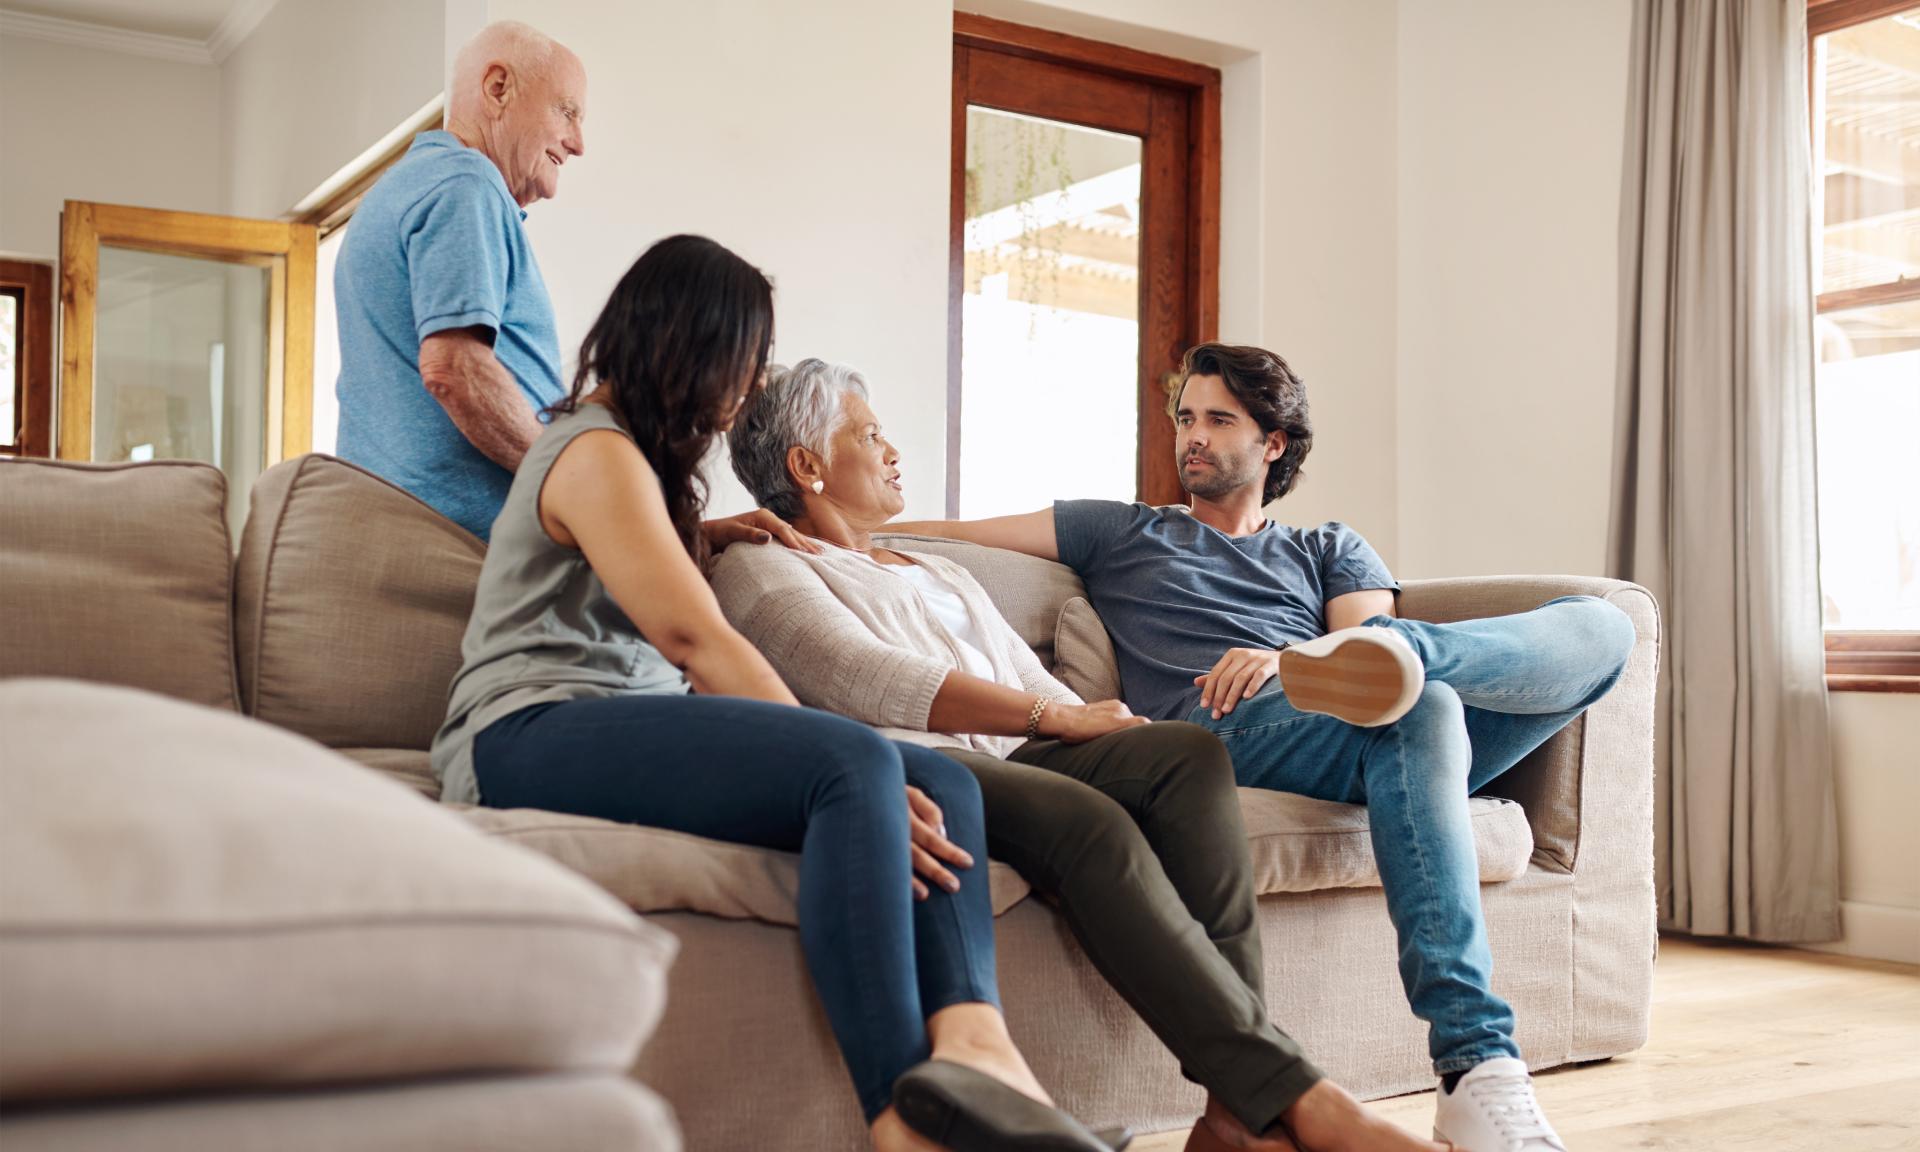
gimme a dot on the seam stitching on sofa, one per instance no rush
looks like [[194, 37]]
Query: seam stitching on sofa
[[266, 582], [405, 920], [233, 589]]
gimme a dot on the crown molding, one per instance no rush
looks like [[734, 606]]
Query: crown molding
[[178, 49], [239, 23]]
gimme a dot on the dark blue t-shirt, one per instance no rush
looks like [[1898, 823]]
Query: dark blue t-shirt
[[437, 244], [1175, 594]]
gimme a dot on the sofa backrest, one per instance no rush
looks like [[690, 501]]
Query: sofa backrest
[[1029, 592], [352, 597], [118, 573]]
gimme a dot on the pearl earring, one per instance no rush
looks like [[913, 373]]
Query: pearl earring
[[819, 486]]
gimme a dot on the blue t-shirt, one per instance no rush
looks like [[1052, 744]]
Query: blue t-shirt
[[1175, 594], [436, 244]]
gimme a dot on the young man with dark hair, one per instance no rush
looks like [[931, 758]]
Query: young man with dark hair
[[1284, 641]]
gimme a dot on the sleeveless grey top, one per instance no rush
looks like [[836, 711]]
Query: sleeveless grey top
[[543, 629]]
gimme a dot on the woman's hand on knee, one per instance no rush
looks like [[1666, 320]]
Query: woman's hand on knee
[[931, 847], [1077, 723]]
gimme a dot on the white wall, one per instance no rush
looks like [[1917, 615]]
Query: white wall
[[79, 123], [317, 83], [819, 151], [1512, 115], [1877, 791], [812, 140]]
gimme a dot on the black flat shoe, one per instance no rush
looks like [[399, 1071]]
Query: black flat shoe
[[1115, 1138], [968, 1111]]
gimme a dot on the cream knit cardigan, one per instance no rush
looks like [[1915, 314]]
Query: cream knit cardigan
[[850, 637]]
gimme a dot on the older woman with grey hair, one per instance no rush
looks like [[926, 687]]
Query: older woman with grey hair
[[1135, 828]]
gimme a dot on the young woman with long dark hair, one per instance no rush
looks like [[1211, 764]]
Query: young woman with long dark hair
[[600, 678]]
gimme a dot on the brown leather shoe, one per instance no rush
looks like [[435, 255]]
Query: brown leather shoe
[[1203, 1138]]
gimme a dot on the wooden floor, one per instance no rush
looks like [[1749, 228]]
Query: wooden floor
[[1752, 1048]]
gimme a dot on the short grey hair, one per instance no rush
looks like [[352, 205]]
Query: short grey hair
[[797, 406]]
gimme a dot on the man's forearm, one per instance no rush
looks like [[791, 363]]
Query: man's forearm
[[480, 396]]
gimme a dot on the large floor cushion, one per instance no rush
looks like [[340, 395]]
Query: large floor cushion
[[191, 900], [352, 598], [556, 1113], [120, 573]]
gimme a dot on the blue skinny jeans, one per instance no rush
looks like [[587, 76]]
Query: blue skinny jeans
[[800, 781], [1496, 690]]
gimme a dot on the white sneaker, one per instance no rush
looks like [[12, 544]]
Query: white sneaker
[[1365, 676], [1492, 1109]]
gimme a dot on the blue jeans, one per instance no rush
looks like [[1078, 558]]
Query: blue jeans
[[1496, 690], [799, 781]]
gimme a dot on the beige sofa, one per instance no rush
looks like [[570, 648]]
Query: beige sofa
[[348, 603]]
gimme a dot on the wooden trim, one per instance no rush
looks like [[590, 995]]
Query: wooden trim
[[285, 248], [1203, 205], [1848, 299], [956, 270], [1824, 16], [1848, 683], [32, 433], [79, 283], [296, 429], [975, 31], [191, 233], [1873, 661]]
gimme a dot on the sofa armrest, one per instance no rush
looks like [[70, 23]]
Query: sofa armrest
[[1601, 765]]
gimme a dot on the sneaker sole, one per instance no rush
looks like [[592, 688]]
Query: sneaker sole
[[1363, 681]]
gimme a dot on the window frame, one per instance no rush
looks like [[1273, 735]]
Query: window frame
[[32, 283], [1180, 282], [1858, 660]]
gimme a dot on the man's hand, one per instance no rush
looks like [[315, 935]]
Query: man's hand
[[1237, 676], [756, 527]]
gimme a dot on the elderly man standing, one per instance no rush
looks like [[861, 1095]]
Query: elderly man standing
[[447, 343]]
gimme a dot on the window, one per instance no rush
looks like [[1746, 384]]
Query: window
[[1084, 249], [26, 358], [1865, 103]]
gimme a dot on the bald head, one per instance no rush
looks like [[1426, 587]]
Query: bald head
[[520, 97]]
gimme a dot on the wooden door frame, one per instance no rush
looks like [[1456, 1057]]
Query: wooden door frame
[[285, 247], [1181, 121], [32, 433]]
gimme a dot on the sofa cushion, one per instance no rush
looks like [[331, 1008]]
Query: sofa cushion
[[352, 598], [654, 870], [120, 573], [410, 766], [1083, 656], [190, 900], [1300, 844], [1028, 591]]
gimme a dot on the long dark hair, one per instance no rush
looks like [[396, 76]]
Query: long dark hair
[[685, 331]]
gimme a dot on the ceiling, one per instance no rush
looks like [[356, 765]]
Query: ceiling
[[188, 19]]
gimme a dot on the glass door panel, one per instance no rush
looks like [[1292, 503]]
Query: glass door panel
[[1050, 350], [181, 361]]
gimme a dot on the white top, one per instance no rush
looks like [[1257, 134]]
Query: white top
[[951, 611]]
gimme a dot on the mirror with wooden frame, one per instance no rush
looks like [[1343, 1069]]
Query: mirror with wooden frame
[[185, 336]]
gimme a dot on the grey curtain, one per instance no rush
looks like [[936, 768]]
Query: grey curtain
[[1713, 486]]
